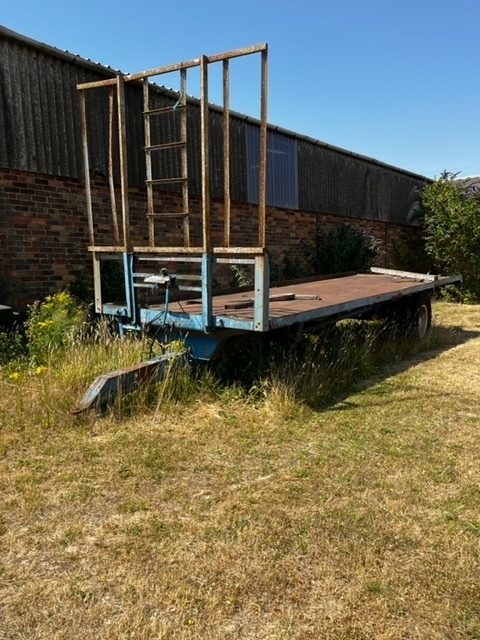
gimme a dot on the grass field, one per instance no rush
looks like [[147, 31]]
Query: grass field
[[232, 517]]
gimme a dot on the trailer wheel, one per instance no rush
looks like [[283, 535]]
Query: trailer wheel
[[420, 315]]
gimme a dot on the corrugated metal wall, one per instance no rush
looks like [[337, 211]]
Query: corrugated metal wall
[[40, 132], [342, 184], [40, 122], [39, 111]]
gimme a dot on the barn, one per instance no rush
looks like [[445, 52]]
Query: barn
[[44, 235]]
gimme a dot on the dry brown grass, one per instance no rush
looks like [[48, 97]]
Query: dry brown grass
[[229, 519]]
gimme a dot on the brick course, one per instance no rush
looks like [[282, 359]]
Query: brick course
[[44, 231]]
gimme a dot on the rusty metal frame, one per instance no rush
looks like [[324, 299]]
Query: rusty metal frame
[[226, 152], [207, 254], [122, 137], [111, 176], [205, 153], [202, 62]]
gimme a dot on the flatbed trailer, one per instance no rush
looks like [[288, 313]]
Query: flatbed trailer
[[182, 277], [382, 293]]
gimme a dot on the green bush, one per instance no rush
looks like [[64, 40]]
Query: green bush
[[452, 231], [12, 346], [52, 323], [345, 248]]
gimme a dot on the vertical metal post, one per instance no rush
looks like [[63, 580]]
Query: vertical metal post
[[129, 288], [263, 156], [207, 308], [183, 136], [226, 151], [86, 165], [97, 282], [122, 140], [111, 177], [206, 258], [262, 293], [148, 163], [205, 154]]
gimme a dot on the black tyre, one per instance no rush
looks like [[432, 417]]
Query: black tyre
[[420, 312], [411, 315]]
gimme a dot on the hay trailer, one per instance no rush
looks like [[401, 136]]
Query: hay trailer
[[169, 290]]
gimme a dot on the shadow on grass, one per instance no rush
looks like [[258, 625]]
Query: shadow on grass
[[324, 367], [441, 340]]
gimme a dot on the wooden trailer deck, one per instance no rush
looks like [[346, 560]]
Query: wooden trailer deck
[[304, 301]]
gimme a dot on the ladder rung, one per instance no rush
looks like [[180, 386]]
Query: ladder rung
[[154, 112], [165, 180], [167, 214], [187, 277], [167, 145], [183, 288]]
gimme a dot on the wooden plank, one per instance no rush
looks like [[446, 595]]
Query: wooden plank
[[109, 386], [279, 297]]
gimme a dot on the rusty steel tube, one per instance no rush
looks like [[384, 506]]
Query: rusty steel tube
[[205, 153], [226, 151], [262, 187], [122, 141]]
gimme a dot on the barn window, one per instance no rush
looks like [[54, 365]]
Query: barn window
[[282, 168]]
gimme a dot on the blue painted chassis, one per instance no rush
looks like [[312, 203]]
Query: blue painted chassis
[[205, 333]]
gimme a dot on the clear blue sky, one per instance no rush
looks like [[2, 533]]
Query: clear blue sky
[[394, 80]]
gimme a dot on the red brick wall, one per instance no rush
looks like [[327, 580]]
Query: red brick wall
[[44, 231]]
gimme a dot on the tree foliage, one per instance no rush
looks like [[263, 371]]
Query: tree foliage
[[452, 231]]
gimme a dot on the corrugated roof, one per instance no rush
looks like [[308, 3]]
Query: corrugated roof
[[109, 72], [65, 55]]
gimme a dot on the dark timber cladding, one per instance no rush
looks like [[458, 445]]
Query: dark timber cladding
[[40, 132], [342, 183], [39, 117]]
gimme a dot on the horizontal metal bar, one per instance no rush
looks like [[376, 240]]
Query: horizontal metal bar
[[160, 110], [169, 259], [176, 276], [257, 251], [438, 280], [158, 71], [167, 214], [110, 249], [186, 276], [166, 180], [167, 250], [97, 83], [235, 260], [237, 53], [167, 145], [182, 287], [408, 275], [443, 280]]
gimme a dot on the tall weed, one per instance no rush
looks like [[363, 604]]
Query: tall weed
[[321, 365], [51, 324]]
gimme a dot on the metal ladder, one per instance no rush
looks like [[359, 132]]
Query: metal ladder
[[181, 108], [199, 260]]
